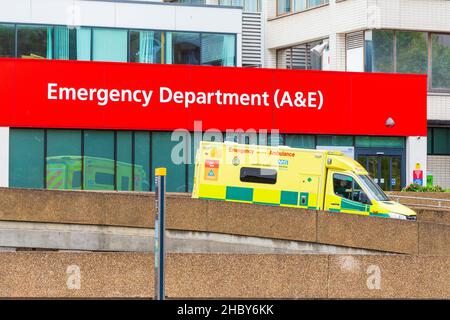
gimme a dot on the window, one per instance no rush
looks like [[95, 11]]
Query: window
[[145, 46], [288, 6], [98, 159], [300, 141], [172, 154], [439, 141], [248, 5], [373, 188], [440, 61], [26, 158], [142, 175], [299, 5], [411, 52], [299, 57], [121, 45], [346, 187], [124, 164], [34, 42], [259, 175], [218, 49], [379, 142], [7, 35], [83, 44], [379, 51], [183, 48], [109, 45], [283, 6], [63, 162], [335, 141]]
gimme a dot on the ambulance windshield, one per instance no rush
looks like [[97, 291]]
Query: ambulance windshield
[[373, 188]]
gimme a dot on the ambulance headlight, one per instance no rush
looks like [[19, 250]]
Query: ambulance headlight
[[394, 215]]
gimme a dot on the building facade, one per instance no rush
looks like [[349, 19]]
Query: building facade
[[403, 36], [359, 36]]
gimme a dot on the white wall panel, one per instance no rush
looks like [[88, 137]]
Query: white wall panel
[[43, 11], [94, 13], [4, 157], [208, 19], [160, 17], [16, 10]]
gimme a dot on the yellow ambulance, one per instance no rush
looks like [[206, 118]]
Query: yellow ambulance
[[290, 177]]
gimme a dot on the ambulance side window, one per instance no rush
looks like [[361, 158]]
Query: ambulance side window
[[258, 175], [346, 187]]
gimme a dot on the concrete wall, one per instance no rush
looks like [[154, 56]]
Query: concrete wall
[[17, 236], [137, 210], [75, 275]]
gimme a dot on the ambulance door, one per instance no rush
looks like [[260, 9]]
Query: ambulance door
[[344, 194], [309, 191]]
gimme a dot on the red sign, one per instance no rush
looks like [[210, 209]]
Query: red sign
[[106, 95], [418, 176]]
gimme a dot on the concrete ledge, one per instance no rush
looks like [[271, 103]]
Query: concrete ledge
[[368, 232], [127, 209], [130, 275], [53, 236], [97, 208], [433, 216], [434, 239]]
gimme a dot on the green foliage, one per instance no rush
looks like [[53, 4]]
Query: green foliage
[[414, 187]]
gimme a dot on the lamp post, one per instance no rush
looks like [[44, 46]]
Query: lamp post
[[160, 248]]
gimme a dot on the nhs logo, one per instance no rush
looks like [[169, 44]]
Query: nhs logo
[[283, 162]]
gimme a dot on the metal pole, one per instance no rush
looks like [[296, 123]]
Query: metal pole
[[160, 249]]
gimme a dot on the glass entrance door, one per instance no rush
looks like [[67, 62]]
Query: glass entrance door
[[386, 170]]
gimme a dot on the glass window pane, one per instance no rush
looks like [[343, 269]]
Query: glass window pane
[[218, 49], [61, 39], [98, 160], [124, 164], [441, 140], [412, 52], [300, 141], [26, 158], [379, 142], [34, 42], [251, 5], [315, 3], [183, 47], [143, 178], [335, 141], [63, 168], [299, 5], [83, 45], [145, 46], [382, 48], [173, 156], [110, 45], [7, 35], [440, 61], [283, 6], [429, 140]]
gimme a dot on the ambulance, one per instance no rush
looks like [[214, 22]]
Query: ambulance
[[290, 177], [64, 172]]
